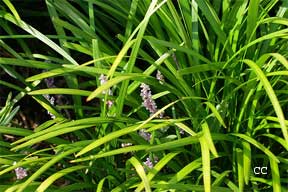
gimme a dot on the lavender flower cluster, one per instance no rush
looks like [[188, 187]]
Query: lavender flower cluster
[[148, 102], [20, 172], [150, 163]]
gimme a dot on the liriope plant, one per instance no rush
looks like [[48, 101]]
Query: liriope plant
[[161, 95]]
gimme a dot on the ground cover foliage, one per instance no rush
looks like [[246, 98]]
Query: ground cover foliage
[[143, 95]]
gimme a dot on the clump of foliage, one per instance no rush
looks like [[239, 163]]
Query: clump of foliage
[[138, 95]]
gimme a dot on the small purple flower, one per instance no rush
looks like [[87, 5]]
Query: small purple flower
[[160, 77], [145, 135], [109, 103], [20, 172], [181, 131], [148, 163], [103, 79]]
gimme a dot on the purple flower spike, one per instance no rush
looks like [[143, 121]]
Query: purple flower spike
[[148, 102]]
